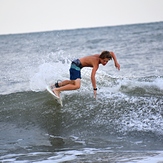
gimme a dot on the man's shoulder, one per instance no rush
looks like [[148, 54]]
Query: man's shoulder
[[93, 57], [96, 55]]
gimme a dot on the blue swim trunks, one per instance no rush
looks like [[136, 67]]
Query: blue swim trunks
[[75, 70]]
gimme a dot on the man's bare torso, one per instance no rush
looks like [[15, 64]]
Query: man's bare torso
[[90, 61]]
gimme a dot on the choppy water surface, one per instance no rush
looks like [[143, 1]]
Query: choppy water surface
[[124, 124]]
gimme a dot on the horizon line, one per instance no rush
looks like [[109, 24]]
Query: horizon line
[[77, 28]]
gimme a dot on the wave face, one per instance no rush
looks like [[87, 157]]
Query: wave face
[[126, 118]]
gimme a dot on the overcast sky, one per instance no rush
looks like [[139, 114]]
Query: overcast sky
[[21, 16]]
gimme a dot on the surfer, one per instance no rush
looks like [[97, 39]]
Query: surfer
[[75, 71]]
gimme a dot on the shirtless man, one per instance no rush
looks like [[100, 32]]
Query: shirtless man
[[75, 71]]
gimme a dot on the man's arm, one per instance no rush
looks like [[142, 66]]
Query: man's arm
[[93, 80], [117, 65], [93, 77]]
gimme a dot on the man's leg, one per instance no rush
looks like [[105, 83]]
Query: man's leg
[[65, 82], [73, 85], [62, 83]]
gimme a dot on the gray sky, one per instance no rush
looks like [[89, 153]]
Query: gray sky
[[21, 16]]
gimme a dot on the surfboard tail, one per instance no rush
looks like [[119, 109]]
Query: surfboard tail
[[59, 100]]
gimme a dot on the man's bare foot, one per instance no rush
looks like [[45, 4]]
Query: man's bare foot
[[57, 93]]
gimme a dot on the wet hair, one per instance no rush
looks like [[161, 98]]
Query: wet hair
[[105, 54]]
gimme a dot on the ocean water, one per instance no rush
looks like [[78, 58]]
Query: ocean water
[[124, 124]]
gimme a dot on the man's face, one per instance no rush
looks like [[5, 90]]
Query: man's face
[[104, 61]]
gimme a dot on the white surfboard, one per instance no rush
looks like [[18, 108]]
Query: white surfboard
[[59, 100]]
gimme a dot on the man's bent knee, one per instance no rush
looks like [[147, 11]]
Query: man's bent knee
[[77, 86]]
